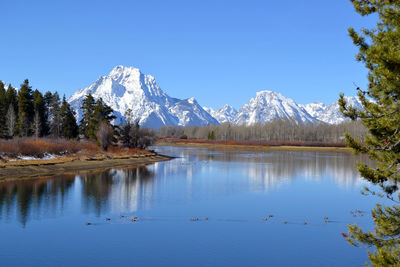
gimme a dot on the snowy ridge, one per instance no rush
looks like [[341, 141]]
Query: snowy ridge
[[127, 88], [331, 114], [269, 105], [314, 109], [224, 114]]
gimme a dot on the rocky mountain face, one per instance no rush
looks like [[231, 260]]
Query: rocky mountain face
[[127, 88], [330, 113], [269, 105], [224, 114]]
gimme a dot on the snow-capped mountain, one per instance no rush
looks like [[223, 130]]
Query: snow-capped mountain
[[314, 109], [269, 105], [127, 88], [331, 114], [224, 114]]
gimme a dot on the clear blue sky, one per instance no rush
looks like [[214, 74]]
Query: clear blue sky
[[217, 51]]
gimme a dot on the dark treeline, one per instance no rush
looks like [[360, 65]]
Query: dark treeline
[[26, 112], [277, 130], [30, 113]]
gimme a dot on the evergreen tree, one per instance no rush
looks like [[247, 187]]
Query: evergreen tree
[[102, 112], [3, 109], [39, 114], [25, 109], [87, 126], [126, 129], [47, 98], [94, 113], [55, 115], [69, 128], [12, 98], [379, 50]]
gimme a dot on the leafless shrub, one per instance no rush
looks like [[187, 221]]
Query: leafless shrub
[[38, 147], [105, 135]]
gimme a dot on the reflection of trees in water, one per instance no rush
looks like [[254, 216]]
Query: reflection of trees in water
[[284, 167], [266, 170], [29, 199], [133, 189], [33, 198], [120, 190]]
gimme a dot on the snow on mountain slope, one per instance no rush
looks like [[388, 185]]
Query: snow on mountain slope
[[224, 114], [269, 105], [331, 114], [314, 109], [127, 88]]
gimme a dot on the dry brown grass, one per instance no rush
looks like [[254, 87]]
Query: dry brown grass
[[38, 147], [57, 146]]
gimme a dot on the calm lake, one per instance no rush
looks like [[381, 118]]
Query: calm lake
[[43, 221]]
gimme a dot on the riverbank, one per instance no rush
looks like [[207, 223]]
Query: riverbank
[[74, 164], [249, 146]]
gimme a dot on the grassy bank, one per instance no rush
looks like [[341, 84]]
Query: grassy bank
[[253, 145], [30, 157], [74, 164]]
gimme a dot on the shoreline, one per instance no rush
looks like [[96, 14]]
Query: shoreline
[[73, 165], [253, 147]]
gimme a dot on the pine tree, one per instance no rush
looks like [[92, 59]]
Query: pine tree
[[87, 126], [102, 112], [47, 98], [379, 50], [55, 116], [25, 109], [3, 109], [69, 128], [126, 129], [12, 98], [39, 114], [94, 113]]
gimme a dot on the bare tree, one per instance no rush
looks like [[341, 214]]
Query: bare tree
[[36, 124], [287, 130], [129, 116], [11, 120], [105, 134]]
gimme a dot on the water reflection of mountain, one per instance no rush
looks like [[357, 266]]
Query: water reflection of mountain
[[117, 190], [270, 169], [195, 173]]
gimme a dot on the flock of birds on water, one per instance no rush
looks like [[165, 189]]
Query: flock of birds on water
[[355, 213]]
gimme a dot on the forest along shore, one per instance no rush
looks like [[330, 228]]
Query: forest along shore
[[73, 164], [253, 145]]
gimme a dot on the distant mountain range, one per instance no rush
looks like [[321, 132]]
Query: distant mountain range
[[127, 88]]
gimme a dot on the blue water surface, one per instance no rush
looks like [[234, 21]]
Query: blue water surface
[[43, 222]]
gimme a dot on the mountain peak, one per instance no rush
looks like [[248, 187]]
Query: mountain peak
[[268, 93], [127, 88], [270, 105], [121, 72], [331, 113]]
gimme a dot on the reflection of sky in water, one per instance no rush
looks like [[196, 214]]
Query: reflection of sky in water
[[236, 189], [194, 172], [268, 170]]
